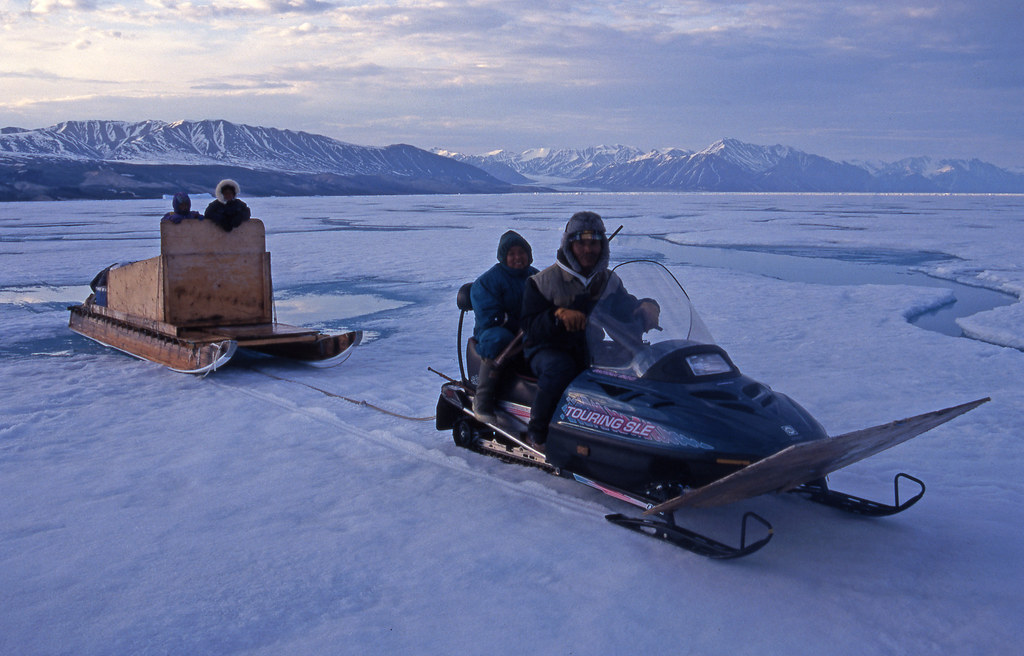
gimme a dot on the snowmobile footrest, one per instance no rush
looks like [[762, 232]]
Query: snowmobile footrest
[[695, 542], [818, 492]]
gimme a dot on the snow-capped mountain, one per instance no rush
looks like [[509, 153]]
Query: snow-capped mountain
[[732, 165], [575, 163], [547, 164], [959, 175], [77, 158], [494, 163], [120, 159], [207, 142]]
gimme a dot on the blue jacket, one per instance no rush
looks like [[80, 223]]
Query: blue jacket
[[182, 205], [497, 298]]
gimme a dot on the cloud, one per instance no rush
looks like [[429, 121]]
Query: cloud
[[499, 73], [250, 85], [299, 6], [51, 6], [325, 72], [242, 8], [49, 76]]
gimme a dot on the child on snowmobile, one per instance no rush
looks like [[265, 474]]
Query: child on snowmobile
[[497, 297]]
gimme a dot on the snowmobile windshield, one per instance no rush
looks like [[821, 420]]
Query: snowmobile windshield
[[647, 317]]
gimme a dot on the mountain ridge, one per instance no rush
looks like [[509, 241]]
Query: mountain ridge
[[126, 159], [735, 166], [147, 159]]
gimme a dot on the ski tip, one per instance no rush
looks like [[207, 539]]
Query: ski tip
[[958, 410]]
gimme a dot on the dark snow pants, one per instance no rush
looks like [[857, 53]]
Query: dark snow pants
[[554, 369]]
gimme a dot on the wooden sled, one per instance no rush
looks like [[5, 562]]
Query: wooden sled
[[206, 295]]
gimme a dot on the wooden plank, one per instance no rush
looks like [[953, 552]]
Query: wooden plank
[[136, 289], [324, 350], [252, 342], [190, 237], [201, 335], [137, 321], [172, 353], [213, 277], [269, 334], [217, 289], [265, 330]]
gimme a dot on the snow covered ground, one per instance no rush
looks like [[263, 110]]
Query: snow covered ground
[[148, 512]]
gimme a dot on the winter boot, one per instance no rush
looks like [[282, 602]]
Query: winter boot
[[536, 441], [487, 385]]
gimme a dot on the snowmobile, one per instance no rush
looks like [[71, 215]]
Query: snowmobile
[[208, 293], [663, 419]]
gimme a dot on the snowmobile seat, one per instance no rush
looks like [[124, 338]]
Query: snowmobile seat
[[517, 375], [463, 299], [519, 388], [518, 384]]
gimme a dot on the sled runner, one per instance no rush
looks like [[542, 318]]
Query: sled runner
[[208, 293], [663, 420]]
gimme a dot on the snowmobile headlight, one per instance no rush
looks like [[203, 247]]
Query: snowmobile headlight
[[707, 364]]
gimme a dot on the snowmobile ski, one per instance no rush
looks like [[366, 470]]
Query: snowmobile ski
[[818, 492], [668, 530], [699, 544]]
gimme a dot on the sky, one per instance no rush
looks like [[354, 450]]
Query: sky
[[844, 79]]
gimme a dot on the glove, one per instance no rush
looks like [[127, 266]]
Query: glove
[[650, 313], [572, 320]]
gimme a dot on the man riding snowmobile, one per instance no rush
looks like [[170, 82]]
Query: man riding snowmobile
[[556, 307]]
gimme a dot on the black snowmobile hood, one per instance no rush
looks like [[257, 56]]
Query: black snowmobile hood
[[671, 386]]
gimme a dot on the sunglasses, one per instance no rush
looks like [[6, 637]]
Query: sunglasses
[[587, 234]]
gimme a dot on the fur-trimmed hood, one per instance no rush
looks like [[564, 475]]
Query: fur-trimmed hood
[[219, 193]]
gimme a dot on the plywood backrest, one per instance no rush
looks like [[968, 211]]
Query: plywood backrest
[[203, 277], [206, 289], [213, 277], [192, 237]]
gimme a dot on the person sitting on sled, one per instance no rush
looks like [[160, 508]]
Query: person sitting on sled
[[182, 206], [497, 297], [227, 211], [556, 307]]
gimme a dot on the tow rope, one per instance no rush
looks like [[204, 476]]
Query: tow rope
[[365, 404]]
